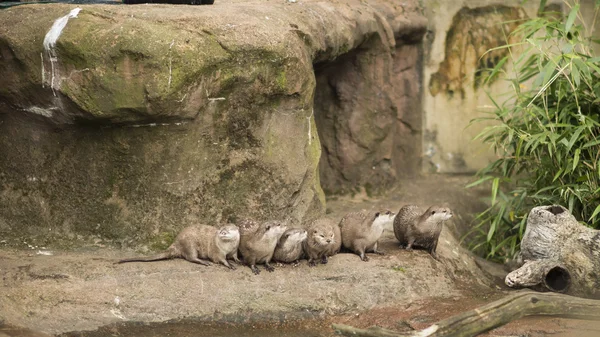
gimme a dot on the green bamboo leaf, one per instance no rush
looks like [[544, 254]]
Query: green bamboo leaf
[[557, 174], [495, 190], [575, 74], [571, 18], [479, 181], [590, 144], [574, 138], [595, 67], [576, 159], [547, 72], [594, 59], [583, 68], [596, 211], [491, 231]]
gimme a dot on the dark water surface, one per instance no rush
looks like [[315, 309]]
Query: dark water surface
[[6, 4], [304, 328]]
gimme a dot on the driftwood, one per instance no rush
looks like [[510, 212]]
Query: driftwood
[[559, 254], [493, 315]]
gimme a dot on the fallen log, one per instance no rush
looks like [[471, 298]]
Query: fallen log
[[558, 254], [493, 315]]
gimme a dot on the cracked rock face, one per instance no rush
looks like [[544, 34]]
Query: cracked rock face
[[127, 123]]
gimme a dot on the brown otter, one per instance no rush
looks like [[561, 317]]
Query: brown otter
[[361, 231], [289, 246], [323, 240], [258, 241], [415, 227], [200, 242]]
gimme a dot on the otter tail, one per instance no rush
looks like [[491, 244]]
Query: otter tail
[[169, 254]]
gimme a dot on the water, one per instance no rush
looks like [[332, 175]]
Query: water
[[6, 4], [184, 328]]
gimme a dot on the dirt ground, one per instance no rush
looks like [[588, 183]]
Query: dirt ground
[[72, 292]]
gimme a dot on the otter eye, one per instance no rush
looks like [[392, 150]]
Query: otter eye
[[432, 212], [377, 214], [444, 211], [314, 232], [268, 227], [322, 235], [388, 212]]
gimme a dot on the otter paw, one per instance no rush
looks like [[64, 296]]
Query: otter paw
[[364, 258], [269, 268], [379, 252], [255, 270], [324, 260], [312, 263]]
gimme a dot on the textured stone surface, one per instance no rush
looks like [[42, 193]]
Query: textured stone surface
[[367, 110], [142, 119], [84, 289]]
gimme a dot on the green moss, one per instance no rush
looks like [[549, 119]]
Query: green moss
[[399, 268], [162, 241], [369, 190], [282, 81]]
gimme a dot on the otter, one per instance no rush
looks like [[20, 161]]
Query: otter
[[323, 240], [258, 241], [198, 242], [289, 246], [361, 231], [415, 227]]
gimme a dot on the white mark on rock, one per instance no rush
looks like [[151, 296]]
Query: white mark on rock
[[43, 71], [170, 64], [156, 124], [117, 313], [76, 71], [40, 111], [50, 43], [44, 252], [212, 99], [310, 127], [117, 301]]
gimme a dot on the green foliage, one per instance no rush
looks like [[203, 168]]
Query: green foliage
[[545, 132]]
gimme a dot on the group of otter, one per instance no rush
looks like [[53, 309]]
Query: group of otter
[[261, 242]]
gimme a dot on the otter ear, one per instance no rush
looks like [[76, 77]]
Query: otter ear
[[377, 214]]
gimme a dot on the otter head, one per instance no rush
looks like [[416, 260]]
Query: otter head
[[322, 237], [295, 235], [228, 233], [383, 218], [438, 213], [274, 228]]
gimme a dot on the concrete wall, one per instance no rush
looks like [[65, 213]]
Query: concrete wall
[[459, 33]]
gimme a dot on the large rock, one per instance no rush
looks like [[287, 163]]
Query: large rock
[[139, 120]]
